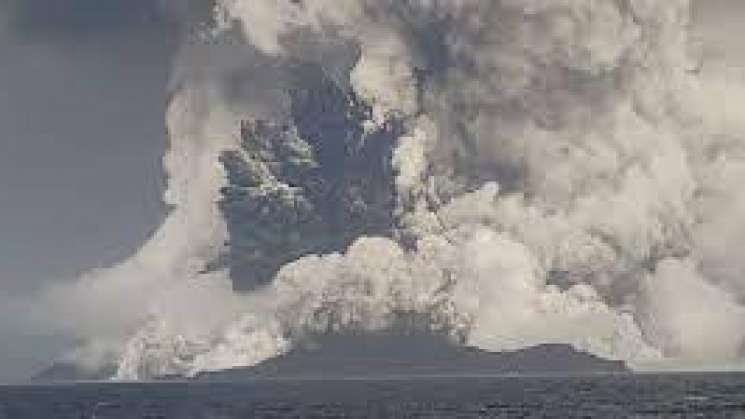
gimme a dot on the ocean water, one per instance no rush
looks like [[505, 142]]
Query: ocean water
[[645, 396]]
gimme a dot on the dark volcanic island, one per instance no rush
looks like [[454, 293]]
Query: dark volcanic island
[[381, 356], [377, 356]]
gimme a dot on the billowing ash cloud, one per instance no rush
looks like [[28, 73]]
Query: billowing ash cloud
[[512, 172]]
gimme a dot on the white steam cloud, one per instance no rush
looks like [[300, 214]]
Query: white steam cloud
[[568, 172]]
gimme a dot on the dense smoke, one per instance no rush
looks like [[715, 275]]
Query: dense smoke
[[513, 172]]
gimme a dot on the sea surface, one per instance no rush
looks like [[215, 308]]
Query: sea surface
[[641, 396]]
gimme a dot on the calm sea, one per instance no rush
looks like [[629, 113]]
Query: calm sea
[[701, 395]]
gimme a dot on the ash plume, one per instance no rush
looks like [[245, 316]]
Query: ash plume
[[508, 172]]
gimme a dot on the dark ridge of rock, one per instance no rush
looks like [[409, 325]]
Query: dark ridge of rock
[[416, 356]]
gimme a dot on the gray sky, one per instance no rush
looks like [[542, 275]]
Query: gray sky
[[82, 87]]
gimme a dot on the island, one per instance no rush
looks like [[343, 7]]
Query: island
[[377, 356], [382, 356]]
